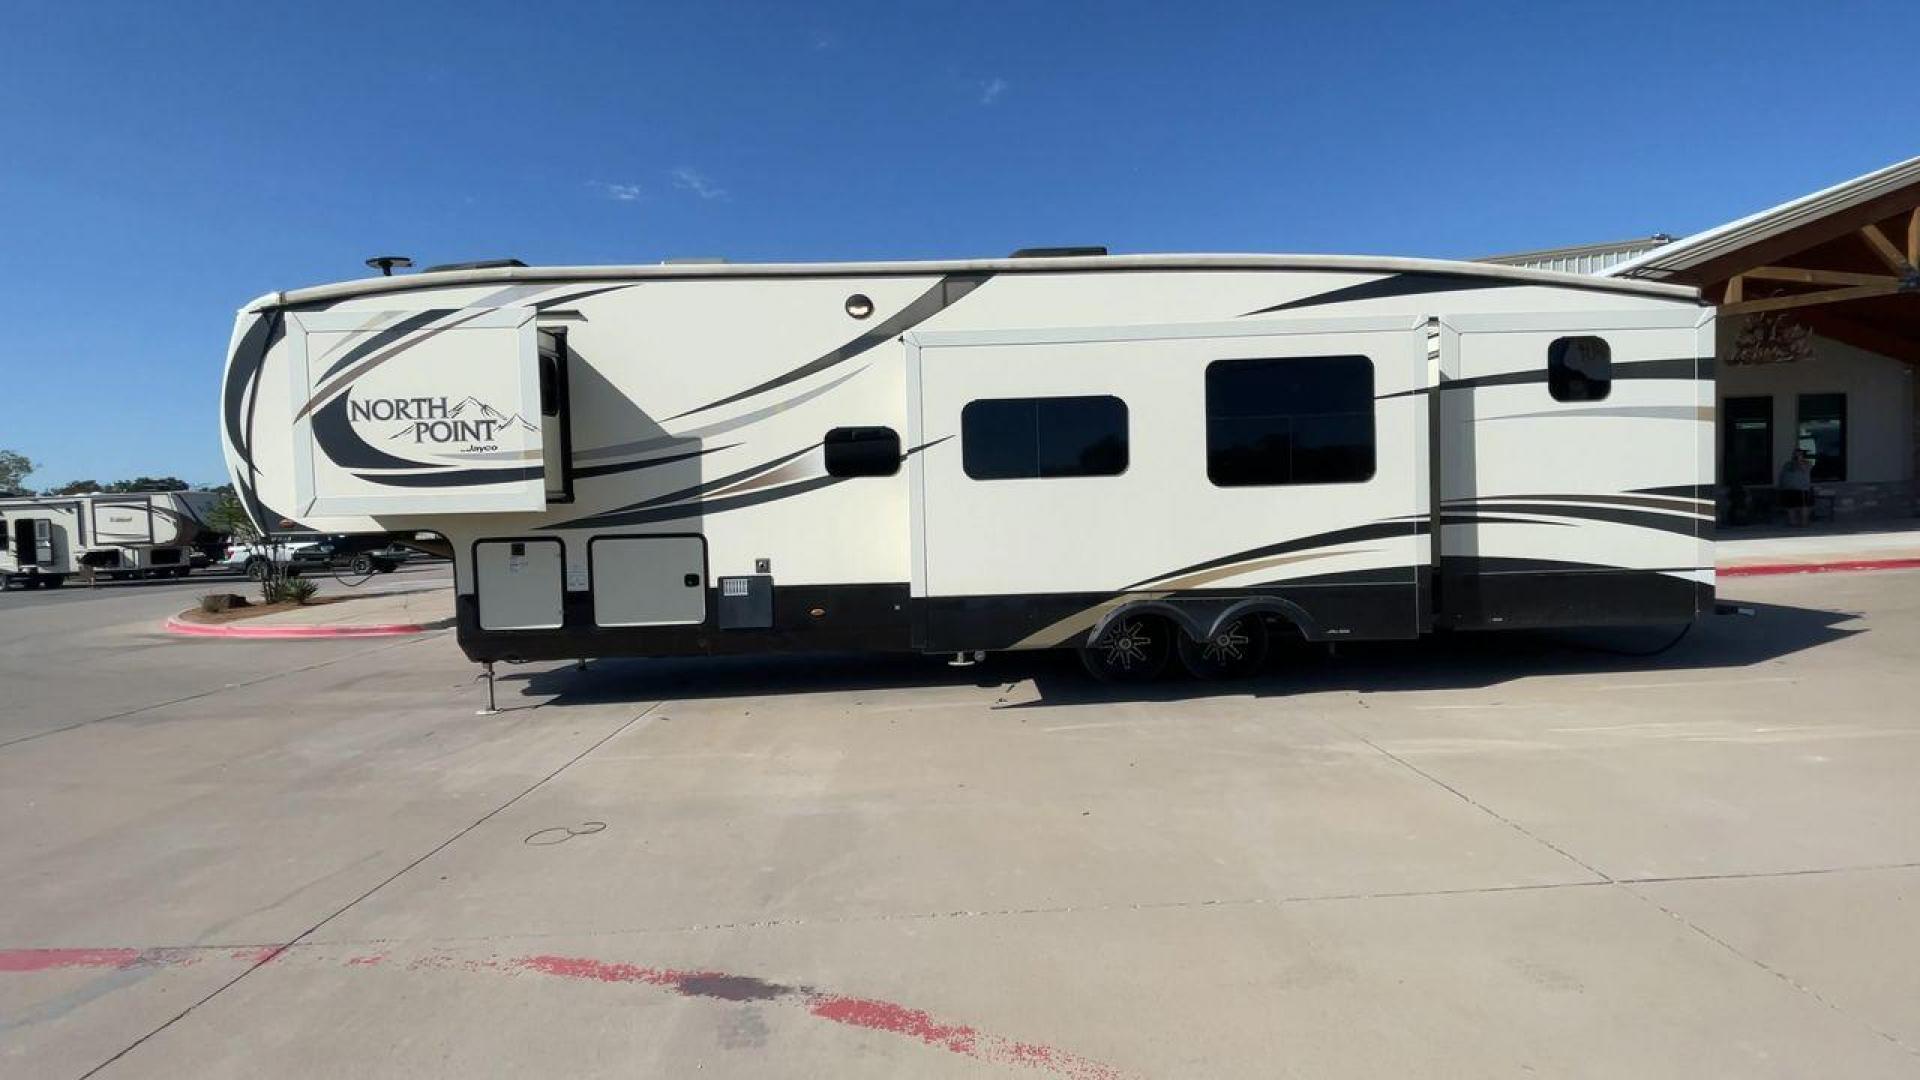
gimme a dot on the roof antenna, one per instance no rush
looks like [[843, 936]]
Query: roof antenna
[[386, 263]]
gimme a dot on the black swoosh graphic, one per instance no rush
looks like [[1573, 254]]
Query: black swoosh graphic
[[589, 471], [944, 293], [1412, 284], [1657, 502], [1679, 367], [385, 337], [337, 439], [1645, 519], [463, 478]]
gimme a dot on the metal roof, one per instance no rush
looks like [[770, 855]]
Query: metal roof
[[1337, 263], [1581, 258], [1691, 251]]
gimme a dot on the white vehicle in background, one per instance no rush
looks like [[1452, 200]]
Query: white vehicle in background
[[45, 540], [257, 560]]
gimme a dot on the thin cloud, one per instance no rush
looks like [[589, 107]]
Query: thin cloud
[[616, 192], [824, 39], [689, 179], [991, 89]]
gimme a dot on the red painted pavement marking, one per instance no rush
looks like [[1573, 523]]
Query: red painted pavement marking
[[869, 1014], [54, 959], [228, 630], [1758, 569]]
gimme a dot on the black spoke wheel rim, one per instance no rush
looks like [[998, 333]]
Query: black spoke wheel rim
[[1129, 649], [1237, 649]]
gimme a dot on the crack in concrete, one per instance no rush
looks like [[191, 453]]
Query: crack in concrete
[[203, 694], [1625, 885], [269, 954]]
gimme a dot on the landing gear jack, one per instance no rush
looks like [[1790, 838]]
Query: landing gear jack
[[486, 672]]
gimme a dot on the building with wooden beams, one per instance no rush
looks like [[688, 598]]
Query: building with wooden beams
[[1819, 338]]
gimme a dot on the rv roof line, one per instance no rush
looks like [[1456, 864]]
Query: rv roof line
[[1367, 264], [1059, 252], [477, 264], [694, 260]]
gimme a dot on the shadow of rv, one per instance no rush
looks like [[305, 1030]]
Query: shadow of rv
[[1442, 662]]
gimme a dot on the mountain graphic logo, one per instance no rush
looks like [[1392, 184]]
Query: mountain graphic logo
[[473, 408]]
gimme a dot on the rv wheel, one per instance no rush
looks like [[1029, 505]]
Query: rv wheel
[[362, 565], [53, 581], [1132, 649], [258, 569], [1235, 651]]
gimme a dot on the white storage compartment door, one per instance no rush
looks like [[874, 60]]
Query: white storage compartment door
[[648, 580], [416, 412], [518, 583]]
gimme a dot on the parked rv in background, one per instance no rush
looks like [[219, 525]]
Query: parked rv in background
[[1135, 456], [135, 534]]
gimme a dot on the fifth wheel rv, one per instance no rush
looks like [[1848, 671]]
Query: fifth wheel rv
[[132, 534], [1139, 457]]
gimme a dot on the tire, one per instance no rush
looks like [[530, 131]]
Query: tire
[[182, 571], [258, 569], [1238, 649], [54, 581], [386, 566], [1131, 649], [362, 565]]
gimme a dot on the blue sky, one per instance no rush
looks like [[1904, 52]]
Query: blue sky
[[161, 164]]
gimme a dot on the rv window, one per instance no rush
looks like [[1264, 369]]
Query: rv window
[[549, 384], [1302, 420], [1043, 438], [1579, 369], [863, 451]]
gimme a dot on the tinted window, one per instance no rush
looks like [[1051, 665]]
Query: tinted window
[[1579, 368], [1822, 433], [1027, 438], [1303, 420], [863, 451]]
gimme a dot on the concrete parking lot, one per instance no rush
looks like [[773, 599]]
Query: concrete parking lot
[[1485, 856]]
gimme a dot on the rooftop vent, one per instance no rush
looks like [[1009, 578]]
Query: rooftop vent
[[477, 264], [1058, 252]]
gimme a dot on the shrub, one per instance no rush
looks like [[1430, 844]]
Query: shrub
[[217, 602], [299, 589]]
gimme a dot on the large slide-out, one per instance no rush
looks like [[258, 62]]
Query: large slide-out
[[145, 533], [1129, 453]]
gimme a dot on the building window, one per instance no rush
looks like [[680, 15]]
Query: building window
[[862, 451], [1822, 433], [1043, 438], [1301, 420], [1746, 457], [1579, 369]]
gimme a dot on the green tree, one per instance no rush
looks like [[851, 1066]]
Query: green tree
[[74, 487], [14, 469], [149, 483]]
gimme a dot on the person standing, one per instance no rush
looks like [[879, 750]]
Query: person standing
[[1796, 487]]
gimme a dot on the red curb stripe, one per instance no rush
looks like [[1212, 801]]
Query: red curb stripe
[[868, 1014], [227, 630], [1762, 569]]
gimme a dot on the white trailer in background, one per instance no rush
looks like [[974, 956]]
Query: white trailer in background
[[1134, 456], [133, 534]]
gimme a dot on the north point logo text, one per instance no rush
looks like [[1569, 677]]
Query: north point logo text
[[433, 420]]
